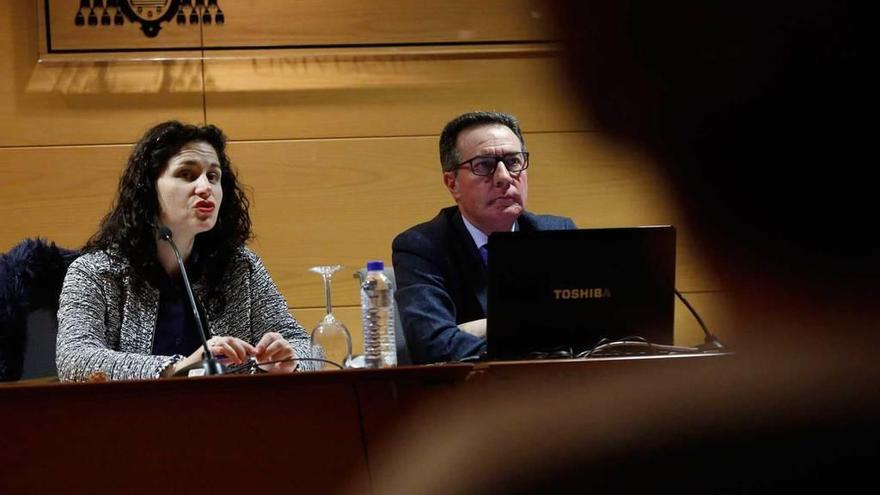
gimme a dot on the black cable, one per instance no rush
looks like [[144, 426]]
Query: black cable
[[286, 360], [558, 353], [605, 343], [711, 341], [252, 366], [590, 351], [636, 345]]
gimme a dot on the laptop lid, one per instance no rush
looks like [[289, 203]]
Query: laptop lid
[[568, 289]]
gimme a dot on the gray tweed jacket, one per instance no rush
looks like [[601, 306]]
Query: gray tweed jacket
[[106, 323]]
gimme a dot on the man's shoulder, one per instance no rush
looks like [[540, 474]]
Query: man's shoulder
[[546, 222], [431, 232]]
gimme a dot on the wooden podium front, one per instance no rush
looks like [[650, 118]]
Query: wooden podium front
[[300, 433]]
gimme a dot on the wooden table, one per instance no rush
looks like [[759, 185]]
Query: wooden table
[[299, 433]]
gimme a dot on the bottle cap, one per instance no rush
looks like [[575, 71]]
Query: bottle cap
[[375, 266]]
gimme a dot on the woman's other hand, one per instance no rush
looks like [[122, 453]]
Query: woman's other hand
[[274, 347]]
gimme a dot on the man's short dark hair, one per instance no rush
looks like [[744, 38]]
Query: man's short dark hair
[[449, 157]]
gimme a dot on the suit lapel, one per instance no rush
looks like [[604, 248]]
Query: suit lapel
[[473, 271], [526, 222]]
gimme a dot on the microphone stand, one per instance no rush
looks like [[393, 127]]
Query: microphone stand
[[210, 365], [711, 342]]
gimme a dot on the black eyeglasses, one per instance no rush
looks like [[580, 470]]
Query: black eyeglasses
[[515, 163]]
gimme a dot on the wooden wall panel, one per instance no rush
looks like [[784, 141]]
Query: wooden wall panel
[[60, 193], [259, 23], [300, 96], [335, 202], [84, 102]]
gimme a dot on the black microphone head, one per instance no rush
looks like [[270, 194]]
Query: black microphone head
[[165, 233]]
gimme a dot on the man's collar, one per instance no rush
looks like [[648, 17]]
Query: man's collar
[[479, 237]]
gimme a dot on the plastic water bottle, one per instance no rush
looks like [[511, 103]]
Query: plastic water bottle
[[377, 312]]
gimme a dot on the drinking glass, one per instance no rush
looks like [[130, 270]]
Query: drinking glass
[[330, 339]]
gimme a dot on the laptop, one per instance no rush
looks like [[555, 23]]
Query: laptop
[[560, 291]]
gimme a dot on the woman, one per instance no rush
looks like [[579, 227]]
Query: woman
[[124, 312]]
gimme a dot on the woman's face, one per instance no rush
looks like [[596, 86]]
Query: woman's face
[[189, 190]]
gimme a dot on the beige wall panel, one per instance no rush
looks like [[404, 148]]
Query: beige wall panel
[[343, 201], [334, 202], [84, 102], [59, 193], [322, 22], [308, 96]]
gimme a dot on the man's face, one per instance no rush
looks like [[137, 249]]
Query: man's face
[[492, 203]]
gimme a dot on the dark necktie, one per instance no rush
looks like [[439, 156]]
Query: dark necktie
[[484, 253]]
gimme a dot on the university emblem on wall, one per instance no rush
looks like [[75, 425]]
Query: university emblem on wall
[[149, 13]]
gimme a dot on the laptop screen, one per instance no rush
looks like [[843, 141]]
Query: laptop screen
[[565, 290]]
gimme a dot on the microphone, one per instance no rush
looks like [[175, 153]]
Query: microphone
[[210, 365]]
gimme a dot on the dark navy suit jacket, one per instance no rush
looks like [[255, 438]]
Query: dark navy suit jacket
[[441, 282]]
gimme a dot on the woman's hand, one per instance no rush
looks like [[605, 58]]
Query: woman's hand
[[274, 347], [230, 350]]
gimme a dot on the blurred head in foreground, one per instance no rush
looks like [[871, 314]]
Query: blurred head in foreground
[[755, 113]]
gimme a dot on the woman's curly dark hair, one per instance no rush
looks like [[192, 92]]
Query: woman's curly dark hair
[[130, 229]]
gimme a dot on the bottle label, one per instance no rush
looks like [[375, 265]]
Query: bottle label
[[378, 297]]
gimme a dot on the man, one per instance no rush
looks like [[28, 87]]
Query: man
[[440, 265]]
